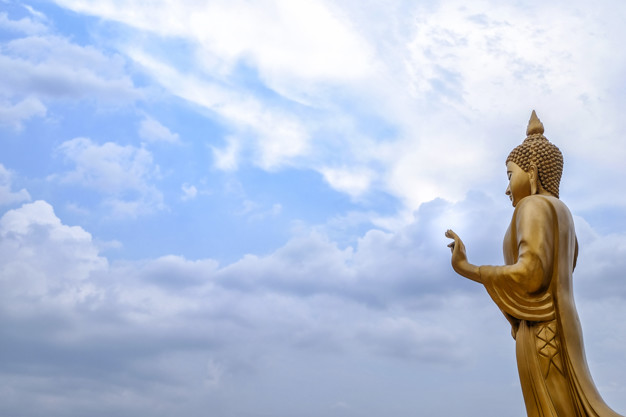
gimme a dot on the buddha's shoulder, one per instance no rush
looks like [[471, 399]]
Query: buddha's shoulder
[[537, 204]]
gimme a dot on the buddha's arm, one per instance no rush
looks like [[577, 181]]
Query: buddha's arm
[[533, 268], [528, 273], [534, 224]]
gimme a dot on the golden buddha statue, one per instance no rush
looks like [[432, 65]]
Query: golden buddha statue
[[534, 287]]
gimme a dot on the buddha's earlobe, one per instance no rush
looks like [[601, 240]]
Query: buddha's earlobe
[[533, 177]]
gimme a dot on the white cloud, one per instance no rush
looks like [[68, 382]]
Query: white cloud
[[14, 115], [290, 58], [381, 267], [45, 66], [24, 25], [351, 181], [227, 158], [277, 136], [125, 175], [52, 67], [39, 66], [189, 192], [446, 87], [412, 339], [170, 334], [153, 131], [492, 65], [44, 261], [304, 41], [468, 53], [255, 211], [35, 13], [7, 196]]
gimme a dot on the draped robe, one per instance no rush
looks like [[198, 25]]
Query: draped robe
[[534, 291]]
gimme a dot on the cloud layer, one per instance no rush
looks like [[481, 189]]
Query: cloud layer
[[169, 334]]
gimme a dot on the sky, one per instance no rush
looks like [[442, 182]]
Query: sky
[[237, 208]]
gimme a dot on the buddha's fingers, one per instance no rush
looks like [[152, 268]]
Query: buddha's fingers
[[450, 234]]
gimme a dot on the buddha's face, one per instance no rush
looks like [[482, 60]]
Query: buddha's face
[[519, 183]]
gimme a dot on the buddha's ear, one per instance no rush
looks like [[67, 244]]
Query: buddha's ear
[[533, 176]]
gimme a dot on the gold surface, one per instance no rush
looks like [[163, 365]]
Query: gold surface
[[534, 287]]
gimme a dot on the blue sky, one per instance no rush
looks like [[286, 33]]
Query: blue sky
[[239, 206]]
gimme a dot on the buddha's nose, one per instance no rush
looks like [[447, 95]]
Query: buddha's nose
[[508, 190]]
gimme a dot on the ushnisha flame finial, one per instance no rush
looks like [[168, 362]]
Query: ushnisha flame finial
[[534, 125]]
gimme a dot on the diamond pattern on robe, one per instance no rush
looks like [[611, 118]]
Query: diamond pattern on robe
[[548, 346]]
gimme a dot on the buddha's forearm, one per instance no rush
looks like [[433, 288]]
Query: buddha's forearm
[[528, 273], [468, 270]]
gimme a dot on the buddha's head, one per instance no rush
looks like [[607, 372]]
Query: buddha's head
[[537, 156]]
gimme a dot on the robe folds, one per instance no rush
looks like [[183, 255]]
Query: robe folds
[[534, 291]]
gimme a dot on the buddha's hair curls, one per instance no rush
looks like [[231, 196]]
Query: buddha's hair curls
[[538, 150]]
